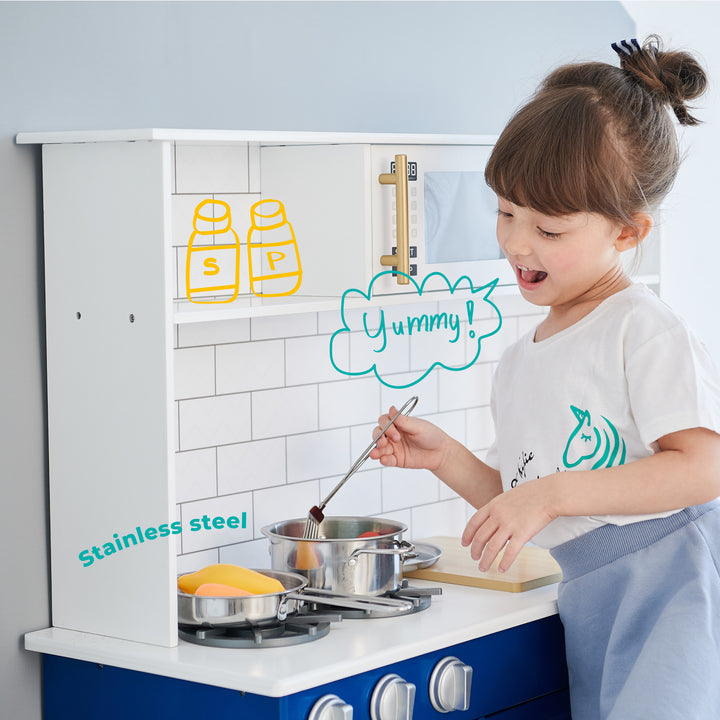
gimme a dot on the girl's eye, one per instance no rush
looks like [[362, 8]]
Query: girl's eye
[[549, 235], [502, 213]]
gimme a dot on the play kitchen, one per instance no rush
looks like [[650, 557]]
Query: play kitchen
[[353, 628]]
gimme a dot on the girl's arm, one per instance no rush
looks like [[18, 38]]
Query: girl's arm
[[416, 443], [685, 472]]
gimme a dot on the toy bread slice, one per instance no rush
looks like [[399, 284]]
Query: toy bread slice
[[233, 575]]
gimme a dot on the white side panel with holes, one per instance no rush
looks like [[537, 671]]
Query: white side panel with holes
[[109, 340]]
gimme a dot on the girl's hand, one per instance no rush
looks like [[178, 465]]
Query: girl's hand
[[409, 443], [508, 521]]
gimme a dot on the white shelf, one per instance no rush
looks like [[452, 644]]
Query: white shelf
[[250, 306], [270, 137], [186, 312]]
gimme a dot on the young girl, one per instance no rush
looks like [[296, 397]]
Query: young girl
[[607, 415]]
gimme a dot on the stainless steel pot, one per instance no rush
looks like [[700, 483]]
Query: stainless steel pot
[[338, 560]]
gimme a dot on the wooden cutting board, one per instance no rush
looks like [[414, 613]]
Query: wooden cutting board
[[533, 567]]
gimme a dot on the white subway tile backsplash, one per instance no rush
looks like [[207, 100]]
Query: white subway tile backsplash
[[211, 168], [401, 516], [183, 212], [453, 423], [445, 518], [195, 475], [317, 455], [285, 411], [254, 167], [459, 390], [493, 346], [406, 488], [211, 421], [328, 321], [252, 554], [480, 428], [240, 217], [190, 562], [283, 326], [360, 437], [194, 372], [274, 505], [219, 521], [427, 349], [250, 366], [348, 402], [214, 333], [248, 466], [389, 356], [361, 494], [514, 304], [426, 391], [308, 360]]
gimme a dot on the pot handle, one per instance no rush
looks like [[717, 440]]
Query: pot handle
[[403, 548]]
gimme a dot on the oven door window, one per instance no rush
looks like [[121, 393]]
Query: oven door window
[[460, 218]]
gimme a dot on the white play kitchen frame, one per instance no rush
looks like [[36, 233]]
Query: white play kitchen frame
[[111, 274], [111, 314]]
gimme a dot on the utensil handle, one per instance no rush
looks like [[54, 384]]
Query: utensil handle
[[375, 599], [406, 409], [350, 603], [404, 549]]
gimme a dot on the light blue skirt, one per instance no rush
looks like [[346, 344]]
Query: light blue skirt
[[640, 605]]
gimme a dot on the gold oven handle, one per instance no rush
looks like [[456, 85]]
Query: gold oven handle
[[400, 181]]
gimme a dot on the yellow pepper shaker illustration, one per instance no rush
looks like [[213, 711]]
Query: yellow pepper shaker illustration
[[273, 254], [212, 268]]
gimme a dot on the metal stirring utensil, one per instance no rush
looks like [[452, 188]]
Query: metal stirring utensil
[[315, 515]]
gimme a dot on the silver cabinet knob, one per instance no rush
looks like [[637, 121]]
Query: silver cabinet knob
[[450, 685], [330, 707], [392, 699]]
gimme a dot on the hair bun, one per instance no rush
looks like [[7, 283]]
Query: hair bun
[[673, 76]]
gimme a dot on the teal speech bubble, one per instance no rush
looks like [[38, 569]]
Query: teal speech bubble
[[412, 339]]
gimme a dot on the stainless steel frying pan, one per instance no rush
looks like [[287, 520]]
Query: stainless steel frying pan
[[261, 610]]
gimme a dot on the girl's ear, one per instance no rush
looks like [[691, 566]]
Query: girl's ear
[[631, 236]]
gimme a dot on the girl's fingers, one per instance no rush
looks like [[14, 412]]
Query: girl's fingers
[[472, 527], [511, 552], [491, 550]]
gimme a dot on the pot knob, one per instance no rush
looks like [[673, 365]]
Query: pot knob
[[330, 707], [392, 699], [450, 685]]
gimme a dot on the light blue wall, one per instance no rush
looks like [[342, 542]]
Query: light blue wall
[[357, 66]]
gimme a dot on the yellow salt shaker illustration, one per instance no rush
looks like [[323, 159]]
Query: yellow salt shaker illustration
[[273, 254], [212, 269]]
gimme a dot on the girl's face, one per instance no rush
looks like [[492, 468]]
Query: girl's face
[[559, 261]]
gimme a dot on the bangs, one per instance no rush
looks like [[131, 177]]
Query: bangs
[[557, 156]]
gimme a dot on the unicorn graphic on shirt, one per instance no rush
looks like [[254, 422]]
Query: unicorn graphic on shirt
[[593, 440]]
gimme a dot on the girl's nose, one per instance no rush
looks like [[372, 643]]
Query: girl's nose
[[516, 242]]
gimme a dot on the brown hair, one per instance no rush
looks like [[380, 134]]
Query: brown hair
[[599, 138]]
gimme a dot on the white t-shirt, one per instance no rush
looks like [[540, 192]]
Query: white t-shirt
[[598, 394]]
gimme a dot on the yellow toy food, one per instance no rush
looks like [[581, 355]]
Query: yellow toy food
[[233, 575], [307, 558], [218, 590]]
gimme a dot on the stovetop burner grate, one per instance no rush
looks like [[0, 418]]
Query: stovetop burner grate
[[293, 631]]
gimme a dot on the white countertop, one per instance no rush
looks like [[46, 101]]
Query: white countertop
[[352, 646]]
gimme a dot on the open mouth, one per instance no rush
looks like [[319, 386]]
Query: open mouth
[[531, 276]]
